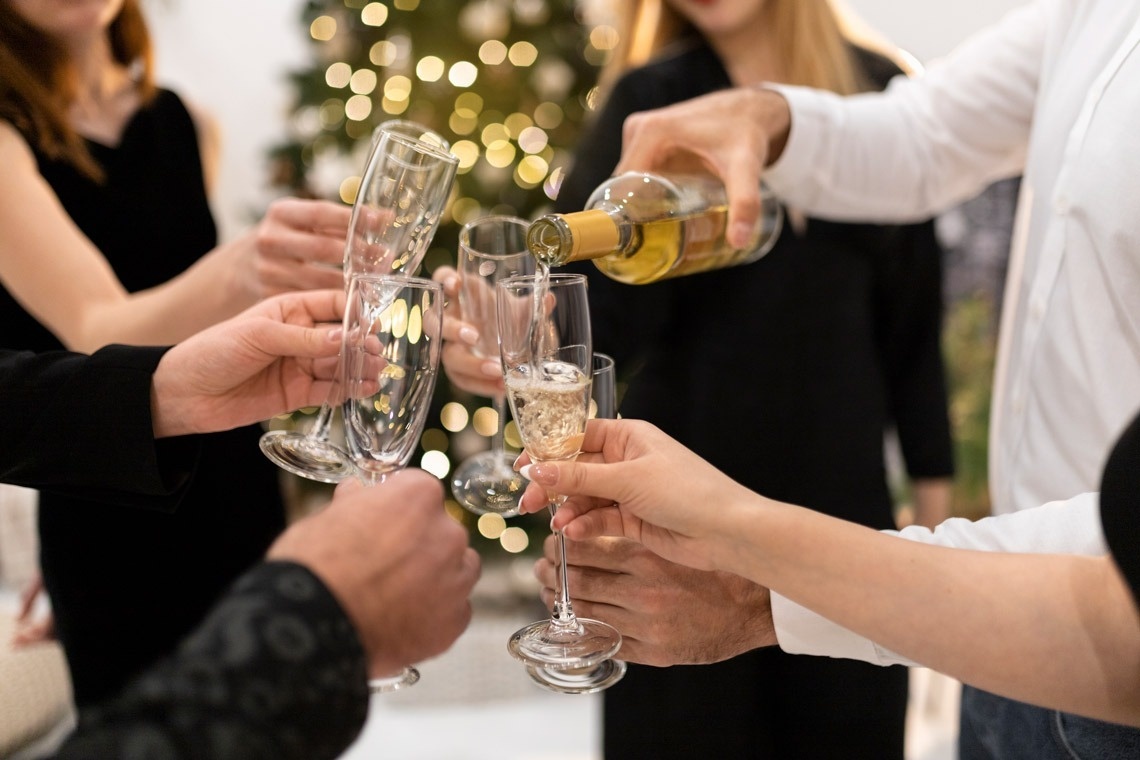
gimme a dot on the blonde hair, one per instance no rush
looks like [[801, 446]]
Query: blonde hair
[[814, 39]]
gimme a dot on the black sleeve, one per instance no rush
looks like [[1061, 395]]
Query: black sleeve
[[909, 312], [624, 318], [276, 671], [82, 425]]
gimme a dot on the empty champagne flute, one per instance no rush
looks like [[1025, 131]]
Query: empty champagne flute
[[396, 212], [391, 348], [545, 346], [491, 249]]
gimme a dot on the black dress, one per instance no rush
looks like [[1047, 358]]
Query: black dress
[[784, 374], [127, 584]]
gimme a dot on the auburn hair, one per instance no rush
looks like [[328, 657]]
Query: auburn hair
[[38, 81], [814, 40]]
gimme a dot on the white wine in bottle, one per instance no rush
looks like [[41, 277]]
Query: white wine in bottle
[[640, 228]]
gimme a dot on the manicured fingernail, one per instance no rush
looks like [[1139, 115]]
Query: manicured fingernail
[[469, 335], [491, 369], [451, 284], [543, 474], [335, 334]]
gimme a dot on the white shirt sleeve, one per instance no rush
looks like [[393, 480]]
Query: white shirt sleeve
[[1059, 527], [924, 144]]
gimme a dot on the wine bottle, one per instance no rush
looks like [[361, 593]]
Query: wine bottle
[[640, 228]]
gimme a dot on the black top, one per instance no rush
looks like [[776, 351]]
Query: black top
[[785, 374], [1120, 505], [127, 584]]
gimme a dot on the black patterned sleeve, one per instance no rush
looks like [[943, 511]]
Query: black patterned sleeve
[[275, 671]]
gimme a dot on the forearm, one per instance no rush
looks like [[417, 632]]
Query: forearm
[[941, 608], [931, 499], [923, 145]]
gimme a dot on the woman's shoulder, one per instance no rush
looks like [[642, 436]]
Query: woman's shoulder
[[14, 147], [687, 68]]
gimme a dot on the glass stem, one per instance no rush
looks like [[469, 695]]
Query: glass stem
[[500, 403], [563, 613], [322, 425]]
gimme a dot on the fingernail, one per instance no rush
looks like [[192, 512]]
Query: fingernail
[[739, 233], [334, 334], [469, 335], [543, 474], [451, 283], [491, 369]]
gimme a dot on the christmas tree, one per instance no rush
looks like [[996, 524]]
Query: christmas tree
[[508, 83]]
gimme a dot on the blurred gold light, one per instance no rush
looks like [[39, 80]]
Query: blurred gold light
[[430, 68], [462, 74], [383, 53], [453, 416], [522, 53], [406, 5], [592, 98], [469, 105], [454, 511], [514, 539], [493, 133], [398, 87], [604, 37], [435, 462], [435, 439], [553, 183], [332, 113], [516, 123], [491, 525], [532, 170], [492, 52], [358, 107], [338, 74], [468, 153], [415, 324], [394, 107], [466, 209], [348, 189], [374, 14], [323, 28], [548, 115], [363, 81], [500, 154], [533, 140], [485, 421], [395, 319], [462, 125], [511, 435]]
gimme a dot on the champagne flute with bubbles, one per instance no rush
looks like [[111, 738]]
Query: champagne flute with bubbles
[[395, 215], [491, 249], [545, 346]]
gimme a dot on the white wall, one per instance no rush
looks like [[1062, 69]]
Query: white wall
[[232, 58]]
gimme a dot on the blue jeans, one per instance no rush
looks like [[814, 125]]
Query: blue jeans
[[996, 728]]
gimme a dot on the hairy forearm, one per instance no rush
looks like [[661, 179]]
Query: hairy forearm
[[1069, 635]]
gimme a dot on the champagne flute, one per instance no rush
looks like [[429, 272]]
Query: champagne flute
[[544, 342], [392, 338], [396, 212], [490, 249]]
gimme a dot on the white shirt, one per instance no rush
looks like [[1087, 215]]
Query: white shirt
[[1051, 92]]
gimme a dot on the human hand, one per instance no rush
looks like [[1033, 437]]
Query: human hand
[[635, 481], [667, 614], [399, 566], [297, 245], [277, 356], [732, 133], [465, 368]]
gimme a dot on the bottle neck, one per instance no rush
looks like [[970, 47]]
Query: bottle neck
[[557, 239]]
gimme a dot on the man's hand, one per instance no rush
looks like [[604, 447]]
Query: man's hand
[[399, 566], [667, 614], [277, 356], [465, 368], [732, 133]]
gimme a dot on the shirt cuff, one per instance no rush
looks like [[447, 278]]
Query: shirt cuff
[[801, 631], [812, 114]]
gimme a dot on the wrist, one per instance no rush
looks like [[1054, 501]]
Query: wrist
[[774, 116]]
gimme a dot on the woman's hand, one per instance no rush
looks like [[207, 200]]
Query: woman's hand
[[464, 368]]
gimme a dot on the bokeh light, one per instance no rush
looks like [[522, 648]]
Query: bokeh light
[[430, 68], [358, 107], [374, 14], [323, 28], [514, 540], [383, 53], [435, 462], [533, 140], [363, 81], [435, 439], [522, 53], [398, 88], [548, 115], [462, 74], [468, 153], [348, 189], [491, 525], [485, 421], [338, 74], [453, 416], [492, 52]]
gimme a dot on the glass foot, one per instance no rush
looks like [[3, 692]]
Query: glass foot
[[409, 677], [578, 680], [581, 644], [486, 483], [307, 456]]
